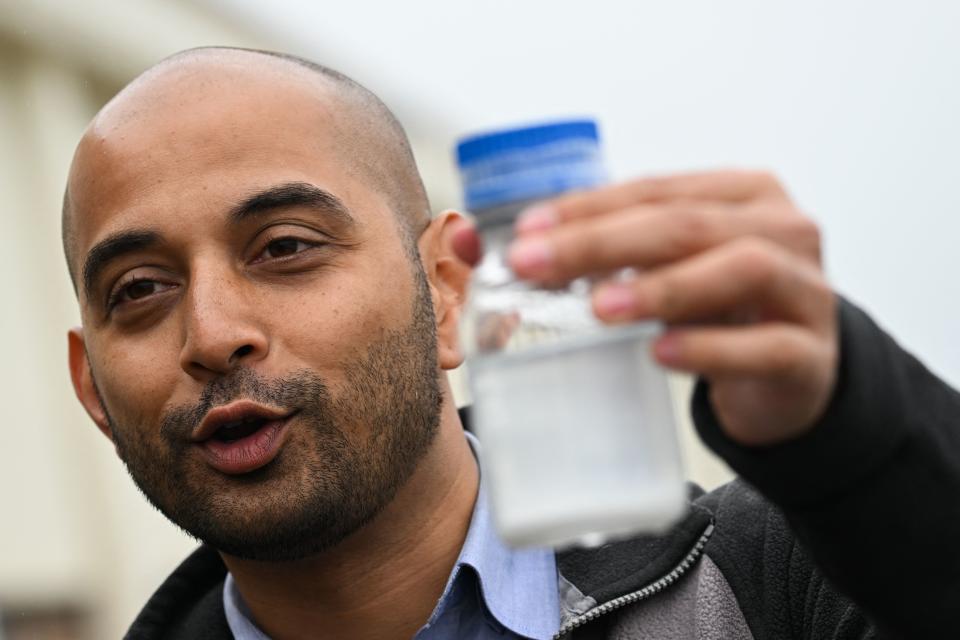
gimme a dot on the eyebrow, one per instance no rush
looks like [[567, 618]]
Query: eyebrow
[[111, 248], [293, 194], [288, 194]]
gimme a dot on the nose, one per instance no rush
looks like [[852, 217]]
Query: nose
[[221, 329]]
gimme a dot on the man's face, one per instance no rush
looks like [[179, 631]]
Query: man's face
[[261, 339]]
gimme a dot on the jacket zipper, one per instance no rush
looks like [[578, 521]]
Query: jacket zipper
[[642, 594]]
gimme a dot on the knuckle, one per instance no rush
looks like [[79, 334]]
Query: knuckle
[[647, 188], [766, 178], [805, 233], [657, 183], [567, 206], [822, 296], [758, 261], [786, 357], [577, 249], [580, 203], [763, 181], [664, 296], [694, 229], [819, 286]]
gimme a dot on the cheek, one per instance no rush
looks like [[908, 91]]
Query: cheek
[[334, 326], [135, 379]]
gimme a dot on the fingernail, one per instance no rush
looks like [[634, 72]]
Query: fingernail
[[667, 348], [539, 217], [530, 255], [614, 300]]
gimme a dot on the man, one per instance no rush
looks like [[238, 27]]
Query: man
[[268, 309]]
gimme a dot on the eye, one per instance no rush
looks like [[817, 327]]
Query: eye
[[136, 289], [284, 247], [140, 289]]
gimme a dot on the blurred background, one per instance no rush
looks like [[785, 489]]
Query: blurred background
[[854, 105]]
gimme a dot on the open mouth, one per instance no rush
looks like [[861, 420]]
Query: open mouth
[[239, 429], [242, 436]]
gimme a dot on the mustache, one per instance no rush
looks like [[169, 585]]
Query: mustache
[[303, 390]]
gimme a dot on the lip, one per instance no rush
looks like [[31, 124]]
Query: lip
[[250, 452]]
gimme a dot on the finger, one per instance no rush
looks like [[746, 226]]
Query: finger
[[750, 277], [650, 235], [723, 186], [466, 242], [771, 351]]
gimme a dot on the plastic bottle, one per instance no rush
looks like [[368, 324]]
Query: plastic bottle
[[574, 416]]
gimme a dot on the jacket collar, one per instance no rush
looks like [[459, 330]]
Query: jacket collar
[[615, 569]]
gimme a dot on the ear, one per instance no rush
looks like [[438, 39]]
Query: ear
[[449, 277], [83, 381]]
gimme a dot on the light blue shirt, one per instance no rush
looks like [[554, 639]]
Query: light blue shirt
[[493, 591]]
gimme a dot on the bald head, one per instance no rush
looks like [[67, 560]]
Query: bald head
[[234, 89]]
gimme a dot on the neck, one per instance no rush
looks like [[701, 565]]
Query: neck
[[384, 580]]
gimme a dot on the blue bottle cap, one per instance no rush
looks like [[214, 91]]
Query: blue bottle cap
[[529, 163]]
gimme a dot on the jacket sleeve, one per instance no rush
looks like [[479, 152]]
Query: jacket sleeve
[[872, 492]]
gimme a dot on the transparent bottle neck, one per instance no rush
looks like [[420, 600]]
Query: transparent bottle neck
[[495, 226]]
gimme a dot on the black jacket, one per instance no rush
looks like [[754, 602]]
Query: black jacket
[[862, 542]]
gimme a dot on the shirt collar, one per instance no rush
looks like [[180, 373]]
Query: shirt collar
[[238, 616]]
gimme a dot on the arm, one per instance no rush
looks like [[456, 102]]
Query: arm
[[873, 489]]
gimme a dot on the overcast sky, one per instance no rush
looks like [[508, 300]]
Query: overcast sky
[[855, 105]]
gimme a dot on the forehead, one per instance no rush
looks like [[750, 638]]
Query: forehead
[[200, 134]]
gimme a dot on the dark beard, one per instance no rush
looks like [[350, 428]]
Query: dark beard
[[352, 453]]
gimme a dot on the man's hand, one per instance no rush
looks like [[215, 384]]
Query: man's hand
[[727, 262]]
